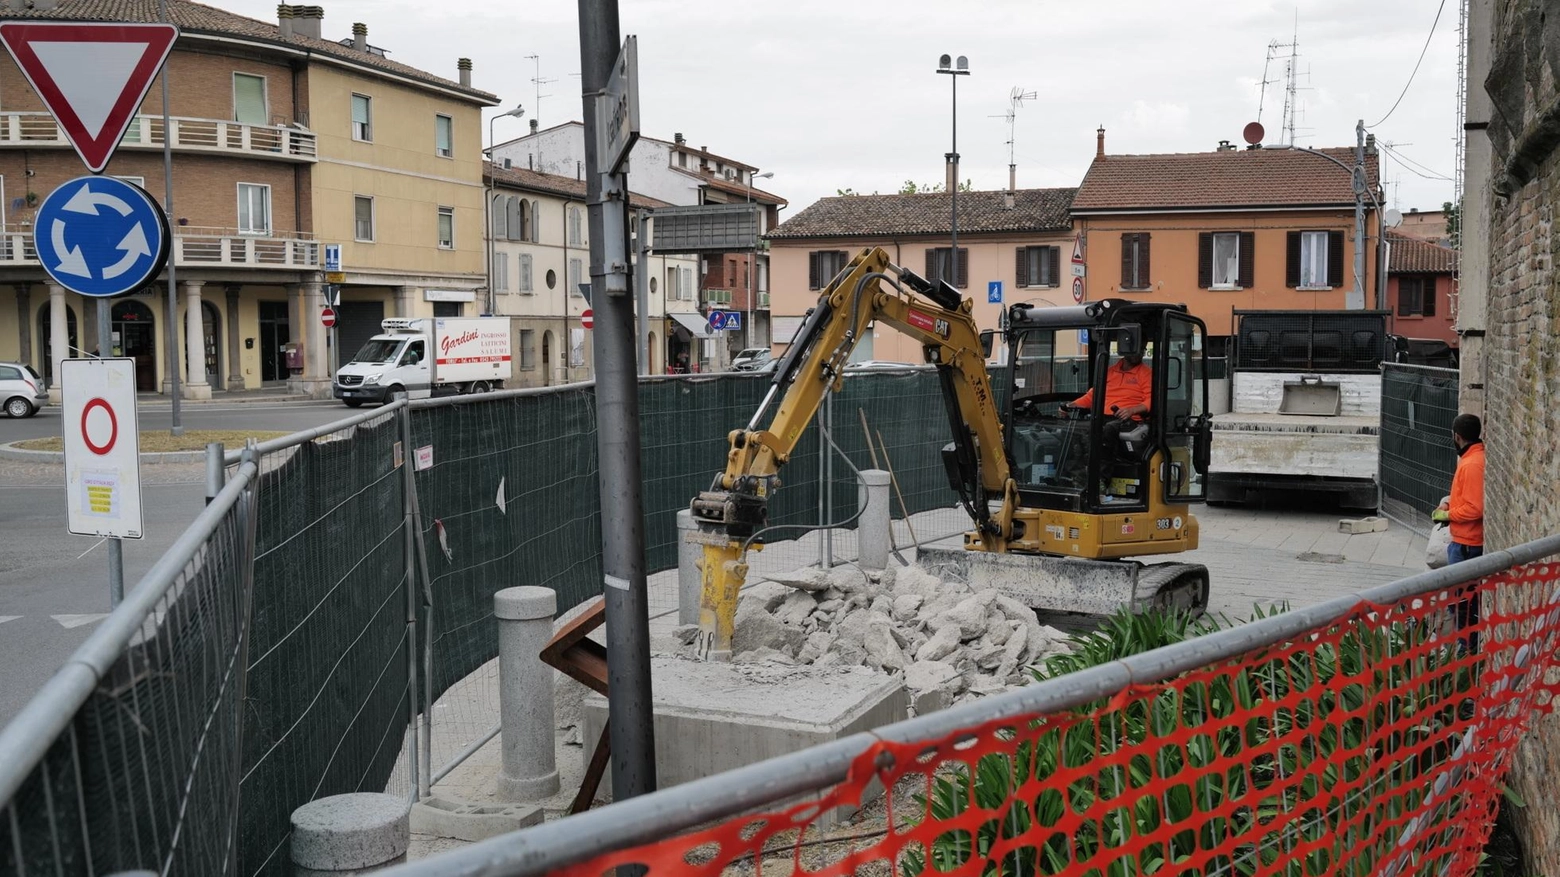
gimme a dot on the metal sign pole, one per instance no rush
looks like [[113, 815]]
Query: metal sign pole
[[116, 547], [173, 283]]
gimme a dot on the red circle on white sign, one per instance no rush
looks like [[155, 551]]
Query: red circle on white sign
[[1078, 290], [113, 427], [328, 316], [588, 319]]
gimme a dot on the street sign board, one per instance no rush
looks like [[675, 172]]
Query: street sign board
[[102, 454], [327, 316], [1077, 253], [1078, 290], [335, 277], [588, 319], [91, 76], [101, 236], [333, 260], [994, 292], [725, 321], [1077, 269], [617, 109]]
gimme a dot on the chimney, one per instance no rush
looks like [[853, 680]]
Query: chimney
[[284, 20], [1099, 143], [464, 66], [678, 138], [535, 124], [306, 21], [1007, 200], [44, 5], [1370, 144], [1225, 146], [950, 180], [1012, 182], [360, 36]]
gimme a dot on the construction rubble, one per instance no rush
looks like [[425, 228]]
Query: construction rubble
[[949, 642]]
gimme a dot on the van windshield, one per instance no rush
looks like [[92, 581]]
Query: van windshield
[[379, 351]]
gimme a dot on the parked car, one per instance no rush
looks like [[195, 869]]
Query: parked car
[[21, 389], [750, 359]]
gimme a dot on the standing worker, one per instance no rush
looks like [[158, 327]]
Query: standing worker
[[1464, 509]]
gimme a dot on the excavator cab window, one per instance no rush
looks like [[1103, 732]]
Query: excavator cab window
[[1183, 416], [1047, 447]]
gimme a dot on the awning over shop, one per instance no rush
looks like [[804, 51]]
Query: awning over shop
[[696, 324]]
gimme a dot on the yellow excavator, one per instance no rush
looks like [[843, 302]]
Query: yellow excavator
[[1058, 501]]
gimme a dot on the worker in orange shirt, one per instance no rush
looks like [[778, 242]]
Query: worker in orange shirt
[[1129, 388], [1464, 509]]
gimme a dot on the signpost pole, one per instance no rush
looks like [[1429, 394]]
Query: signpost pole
[[173, 283], [116, 548]]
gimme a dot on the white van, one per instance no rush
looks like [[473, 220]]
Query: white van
[[432, 356]]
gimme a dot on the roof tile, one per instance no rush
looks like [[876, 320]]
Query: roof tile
[[929, 214], [1237, 178], [1410, 255]]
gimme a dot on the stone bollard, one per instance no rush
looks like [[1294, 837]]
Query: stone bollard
[[690, 583], [873, 537], [350, 833], [525, 693]]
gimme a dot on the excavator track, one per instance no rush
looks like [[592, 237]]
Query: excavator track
[[1069, 584]]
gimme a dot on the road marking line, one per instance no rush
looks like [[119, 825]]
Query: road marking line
[[5, 618], [70, 621]]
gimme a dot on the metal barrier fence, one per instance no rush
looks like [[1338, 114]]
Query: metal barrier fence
[[1418, 404], [129, 756], [1370, 734]]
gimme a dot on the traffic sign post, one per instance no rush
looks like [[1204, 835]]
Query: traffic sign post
[[102, 456], [1078, 290], [101, 236], [588, 319], [328, 317], [994, 292], [92, 76]]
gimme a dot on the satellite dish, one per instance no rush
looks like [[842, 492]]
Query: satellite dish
[[1393, 217], [1252, 133]]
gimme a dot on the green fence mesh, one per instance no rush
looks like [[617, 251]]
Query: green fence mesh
[[1418, 405]]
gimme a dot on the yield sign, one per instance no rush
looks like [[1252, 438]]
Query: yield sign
[[91, 76]]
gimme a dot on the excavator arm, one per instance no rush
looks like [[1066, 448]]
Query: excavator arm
[[871, 288]]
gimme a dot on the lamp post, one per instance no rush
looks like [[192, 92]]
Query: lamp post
[[954, 69], [752, 292], [487, 198]]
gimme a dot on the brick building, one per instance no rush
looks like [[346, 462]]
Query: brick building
[[267, 165]]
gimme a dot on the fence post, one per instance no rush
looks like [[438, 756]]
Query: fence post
[[250, 503], [873, 535], [404, 459], [525, 693], [215, 473], [690, 586]]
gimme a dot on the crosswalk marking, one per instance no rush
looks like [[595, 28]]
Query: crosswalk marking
[[70, 621]]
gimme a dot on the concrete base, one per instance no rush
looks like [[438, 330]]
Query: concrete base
[[346, 833], [712, 717], [196, 392], [314, 388], [444, 817], [1354, 526]]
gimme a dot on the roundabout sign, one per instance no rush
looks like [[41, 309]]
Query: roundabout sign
[[101, 236]]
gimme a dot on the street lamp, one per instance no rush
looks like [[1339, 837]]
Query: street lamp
[[492, 302], [752, 292], [954, 69]]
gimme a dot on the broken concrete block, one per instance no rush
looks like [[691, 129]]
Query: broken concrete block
[[941, 645], [1356, 526], [808, 578], [882, 651], [761, 630], [905, 605], [685, 633], [795, 608]]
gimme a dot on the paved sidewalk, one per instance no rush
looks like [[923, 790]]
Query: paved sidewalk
[[1255, 557]]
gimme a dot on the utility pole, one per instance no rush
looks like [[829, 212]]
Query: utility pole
[[1357, 298], [642, 290], [173, 284], [629, 705]]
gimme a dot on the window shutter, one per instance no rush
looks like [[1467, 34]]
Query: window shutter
[[1021, 270], [1204, 259], [931, 265], [1335, 259], [1427, 297], [964, 268], [1292, 265], [812, 270], [1145, 278], [1055, 256], [1126, 260], [1248, 258], [1407, 286], [536, 222]]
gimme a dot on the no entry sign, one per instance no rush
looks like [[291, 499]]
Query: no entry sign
[[588, 319], [102, 460], [327, 316]]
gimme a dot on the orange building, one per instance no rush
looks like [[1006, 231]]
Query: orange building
[[1422, 288], [1232, 229]]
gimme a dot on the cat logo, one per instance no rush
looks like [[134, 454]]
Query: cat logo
[[942, 328]]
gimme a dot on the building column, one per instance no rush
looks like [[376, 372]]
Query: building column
[[195, 385], [24, 322], [406, 301], [59, 337], [235, 345], [314, 381]]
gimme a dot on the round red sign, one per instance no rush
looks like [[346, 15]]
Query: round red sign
[[328, 316], [588, 319], [107, 444]]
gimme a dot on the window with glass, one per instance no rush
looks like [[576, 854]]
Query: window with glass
[[527, 349], [1226, 260], [249, 104], [1416, 296], [1313, 258], [363, 217], [444, 136], [823, 266], [446, 228], [939, 265], [525, 274], [1184, 407], [254, 208], [1039, 266], [1135, 261], [362, 118]]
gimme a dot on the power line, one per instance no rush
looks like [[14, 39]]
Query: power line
[[1415, 71], [1410, 165]]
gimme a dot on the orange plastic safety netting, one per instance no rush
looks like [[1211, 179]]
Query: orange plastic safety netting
[[1376, 744]]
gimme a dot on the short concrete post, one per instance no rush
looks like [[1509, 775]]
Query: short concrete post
[[346, 834], [690, 584], [525, 693], [873, 538]]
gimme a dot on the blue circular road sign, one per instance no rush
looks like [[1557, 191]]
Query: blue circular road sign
[[101, 236]]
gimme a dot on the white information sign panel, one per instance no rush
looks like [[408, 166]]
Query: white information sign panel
[[102, 456]]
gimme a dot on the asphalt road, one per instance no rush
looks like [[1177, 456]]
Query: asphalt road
[[52, 595]]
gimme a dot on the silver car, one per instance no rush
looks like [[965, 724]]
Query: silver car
[[750, 359], [21, 390]]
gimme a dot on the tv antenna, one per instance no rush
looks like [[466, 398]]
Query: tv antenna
[[1016, 99], [538, 81], [1288, 54]]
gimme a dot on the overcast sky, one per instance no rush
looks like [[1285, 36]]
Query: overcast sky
[[838, 94]]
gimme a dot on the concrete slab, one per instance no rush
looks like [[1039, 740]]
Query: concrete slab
[[712, 717], [462, 820]]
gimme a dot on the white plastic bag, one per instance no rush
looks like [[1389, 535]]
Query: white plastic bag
[[1435, 548]]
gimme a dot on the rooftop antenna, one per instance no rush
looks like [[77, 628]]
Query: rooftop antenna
[[538, 81], [1016, 99]]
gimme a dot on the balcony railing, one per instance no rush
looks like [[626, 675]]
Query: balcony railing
[[201, 248], [272, 142]]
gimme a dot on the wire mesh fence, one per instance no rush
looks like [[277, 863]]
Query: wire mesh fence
[[129, 757], [1418, 405]]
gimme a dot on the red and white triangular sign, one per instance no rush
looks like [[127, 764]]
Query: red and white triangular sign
[[91, 76]]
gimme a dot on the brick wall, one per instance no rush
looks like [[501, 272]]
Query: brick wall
[[1522, 350]]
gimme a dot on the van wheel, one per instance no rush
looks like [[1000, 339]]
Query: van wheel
[[395, 392], [353, 403], [478, 387], [18, 407]]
